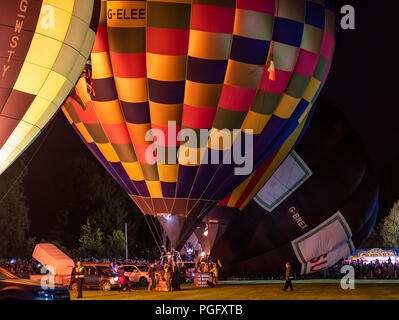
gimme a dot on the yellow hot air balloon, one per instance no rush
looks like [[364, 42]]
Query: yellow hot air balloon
[[44, 45]]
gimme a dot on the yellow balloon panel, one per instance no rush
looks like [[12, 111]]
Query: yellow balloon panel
[[50, 49]]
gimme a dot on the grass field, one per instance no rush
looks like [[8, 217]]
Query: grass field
[[257, 290]]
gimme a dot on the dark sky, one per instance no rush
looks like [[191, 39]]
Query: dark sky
[[361, 83]]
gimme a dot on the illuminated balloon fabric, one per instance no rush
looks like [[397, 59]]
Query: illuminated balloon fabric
[[202, 64], [331, 181], [43, 48]]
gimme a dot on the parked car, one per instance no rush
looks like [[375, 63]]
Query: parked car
[[136, 273], [15, 288], [97, 276]]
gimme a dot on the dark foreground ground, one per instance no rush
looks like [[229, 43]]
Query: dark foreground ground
[[259, 290]]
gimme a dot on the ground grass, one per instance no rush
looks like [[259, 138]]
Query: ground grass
[[257, 290]]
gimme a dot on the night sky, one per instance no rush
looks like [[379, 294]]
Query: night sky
[[361, 83]]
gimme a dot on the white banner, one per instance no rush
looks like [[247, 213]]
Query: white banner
[[291, 174], [324, 245]]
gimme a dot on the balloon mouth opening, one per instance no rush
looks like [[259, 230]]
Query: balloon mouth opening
[[166, 216]]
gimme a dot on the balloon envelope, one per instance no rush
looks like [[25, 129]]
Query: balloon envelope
[[248, 71]]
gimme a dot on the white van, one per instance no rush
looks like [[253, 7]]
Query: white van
[[135, 273]]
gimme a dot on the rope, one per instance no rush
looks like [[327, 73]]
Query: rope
[[149, 227], [155, 227]]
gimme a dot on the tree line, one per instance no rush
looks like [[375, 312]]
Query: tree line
[[86, 219]]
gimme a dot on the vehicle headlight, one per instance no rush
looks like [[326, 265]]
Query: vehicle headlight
[[43, 293]]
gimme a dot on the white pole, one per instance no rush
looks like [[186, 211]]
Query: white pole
[[126, 240]]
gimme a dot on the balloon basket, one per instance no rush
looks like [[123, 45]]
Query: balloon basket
[[161, 286]]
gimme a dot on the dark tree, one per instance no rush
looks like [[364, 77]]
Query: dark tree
[[91, 240], [14, 221]]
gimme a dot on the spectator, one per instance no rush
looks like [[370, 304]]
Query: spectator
[[151, 275], [168, 274]]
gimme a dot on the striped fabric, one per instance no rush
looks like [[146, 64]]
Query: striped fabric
[[240, 196], [168, 24], [211, 28], [201, 64], [44, 45]]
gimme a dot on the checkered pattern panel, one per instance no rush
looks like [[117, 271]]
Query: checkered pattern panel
[[201, 64]]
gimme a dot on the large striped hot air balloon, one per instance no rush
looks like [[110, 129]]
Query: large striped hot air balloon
[[247, 70], [44, 45]]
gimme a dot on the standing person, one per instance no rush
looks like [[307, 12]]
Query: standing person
[[183, 273], [168, 273], [206, 267], [79, 276], [151, 275], [158, 271], [288, 277], [197, 270], [175, 277], [214, 271], [122, 282]]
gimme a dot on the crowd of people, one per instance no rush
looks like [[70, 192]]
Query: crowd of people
[[21, 267], [169, 272], [205, 266], [175, 273], [374, 270], [117, 261]]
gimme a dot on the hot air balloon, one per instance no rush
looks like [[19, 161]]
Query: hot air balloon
[[316, 209], [44, 45], [246, 73]]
